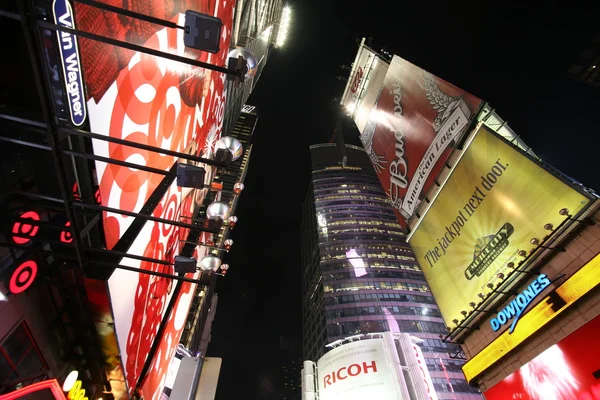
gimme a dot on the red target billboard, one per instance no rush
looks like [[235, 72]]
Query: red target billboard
[[165, 104]]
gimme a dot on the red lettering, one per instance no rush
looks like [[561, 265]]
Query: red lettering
[[358, 370], [373, 366], [350, 371]]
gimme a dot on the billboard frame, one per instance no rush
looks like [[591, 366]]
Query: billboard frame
[[544, 250]]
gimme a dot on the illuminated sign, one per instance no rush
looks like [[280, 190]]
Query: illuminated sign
[[22, 230], [22, 277], [69, 56], [566, 370], [495, 204], [77, 392], [580, 283], [356, 371], [515, 308]]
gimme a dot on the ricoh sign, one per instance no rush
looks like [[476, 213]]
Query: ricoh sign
[[354, 371]]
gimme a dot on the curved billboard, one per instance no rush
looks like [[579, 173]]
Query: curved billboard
[[356, 371]]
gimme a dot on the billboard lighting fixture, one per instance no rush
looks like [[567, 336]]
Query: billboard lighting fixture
[[534, 241], [472, 304], [564, 212], [548, 227], [522, 253], [232, 221], [481, 296], [464, 313], [238, 187], [210, 262]]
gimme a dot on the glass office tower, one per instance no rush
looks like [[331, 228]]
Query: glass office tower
[[359, 275]]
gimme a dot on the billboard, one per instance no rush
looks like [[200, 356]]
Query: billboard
[[411, 130], [168, 105], [356, 371], [366, 78], [494, 203], [566, 370], [148, 99]]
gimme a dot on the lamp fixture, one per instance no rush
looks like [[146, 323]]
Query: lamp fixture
[[210, 262], [217, 210]]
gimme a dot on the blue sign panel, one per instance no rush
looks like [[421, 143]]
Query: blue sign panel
[[515, 308], [71, 64]]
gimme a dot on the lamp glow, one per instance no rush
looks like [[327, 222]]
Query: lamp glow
[[284, 25], [70, 380]]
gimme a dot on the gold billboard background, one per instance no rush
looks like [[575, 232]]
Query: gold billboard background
[[493, 204]]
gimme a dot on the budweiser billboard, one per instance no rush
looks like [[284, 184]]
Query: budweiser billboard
[[411, 129], [366, 78], [356, 371]]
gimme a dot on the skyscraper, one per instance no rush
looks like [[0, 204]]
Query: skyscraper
[[359, 275]]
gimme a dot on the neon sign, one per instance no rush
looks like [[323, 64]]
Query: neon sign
[[515, 308], [23, 231], [22, 277], [77, 392]]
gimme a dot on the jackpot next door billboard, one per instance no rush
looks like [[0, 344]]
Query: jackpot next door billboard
[[412, 128], [162, 103], [494, 202], [568, 370]]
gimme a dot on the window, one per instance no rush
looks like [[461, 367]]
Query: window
[[19, 356]]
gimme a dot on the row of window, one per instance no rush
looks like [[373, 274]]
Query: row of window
[[349, 198], [362, 297], [325, 256], [381, 310], [374, 222], [370, 273], [357, 327], [358, 285], [377, 263], [363, 230]]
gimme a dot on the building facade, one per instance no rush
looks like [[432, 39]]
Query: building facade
[[359, 276]]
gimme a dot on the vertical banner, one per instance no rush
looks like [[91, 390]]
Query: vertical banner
[[495, 203], [164, 104], [567, 370], [411, 130], [366, 78]]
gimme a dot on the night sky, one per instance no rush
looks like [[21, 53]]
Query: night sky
[[512, 56]]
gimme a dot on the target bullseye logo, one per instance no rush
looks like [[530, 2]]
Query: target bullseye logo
[[22, 228], [66, 236], [22, 277]]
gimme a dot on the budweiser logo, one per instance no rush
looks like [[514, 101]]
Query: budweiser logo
[[357, 78], [346, 372], [398, 167]]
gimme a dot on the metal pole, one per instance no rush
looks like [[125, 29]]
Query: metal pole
[[124, 212], [79, 132], [141, 49], [34, 49], [130, 13]]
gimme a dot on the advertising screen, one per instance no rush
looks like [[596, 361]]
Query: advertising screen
[[148, 99], [411, 130], [568, 370], [363, 85], [494, 203], [164, 104], [356, 371]]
